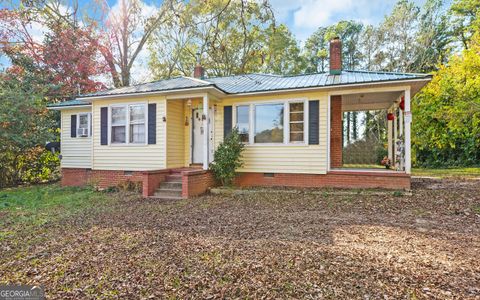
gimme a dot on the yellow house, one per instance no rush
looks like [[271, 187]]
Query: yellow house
[[164, 133]]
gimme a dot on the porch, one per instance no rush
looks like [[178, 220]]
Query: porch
[[190, 130], [370, 132]]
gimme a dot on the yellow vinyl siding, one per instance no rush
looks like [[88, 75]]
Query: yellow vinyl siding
[[130, 157], [310, 159], [76, 152], [175, 134]]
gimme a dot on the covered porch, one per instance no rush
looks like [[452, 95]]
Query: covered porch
[[190, 130], [370, 131]]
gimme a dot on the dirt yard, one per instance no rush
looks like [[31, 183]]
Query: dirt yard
[[298, 244]]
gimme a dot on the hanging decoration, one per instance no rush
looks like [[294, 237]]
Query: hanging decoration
[[390, 117], [402, 104]]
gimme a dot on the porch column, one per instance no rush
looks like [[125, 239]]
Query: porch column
[[395, 136], [390, 138], [206, 132], [407, 122]]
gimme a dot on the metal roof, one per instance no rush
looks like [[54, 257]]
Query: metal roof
[[250, 83], [68, 103]]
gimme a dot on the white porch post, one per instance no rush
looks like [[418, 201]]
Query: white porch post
[[206, 132], [407, 122], [390, 138]]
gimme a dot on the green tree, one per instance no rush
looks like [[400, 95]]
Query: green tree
[[230, 37], [316, 51], [447, 112], [24, 126], [465, 19]]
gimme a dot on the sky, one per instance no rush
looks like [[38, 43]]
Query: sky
[[302, 17]]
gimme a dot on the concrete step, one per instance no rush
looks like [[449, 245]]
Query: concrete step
[[168, 192], [174, 178], [173, 198], [171, 185]]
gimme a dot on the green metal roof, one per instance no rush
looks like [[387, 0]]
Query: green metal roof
[[68, 103], [252, 83]]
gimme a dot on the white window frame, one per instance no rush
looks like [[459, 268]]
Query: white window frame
[[89, 124], [127, 124], [286, 121]]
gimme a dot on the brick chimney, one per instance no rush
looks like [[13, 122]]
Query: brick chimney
[[335, 56], [198, 71]]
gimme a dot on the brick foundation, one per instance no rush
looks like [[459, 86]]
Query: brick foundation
[[334, 179], [336, 132], [196, 182], [149, 180]]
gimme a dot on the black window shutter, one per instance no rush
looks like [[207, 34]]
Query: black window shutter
[[227, 121], [313, 123], [152, 123], [103, 125], [73, 126]]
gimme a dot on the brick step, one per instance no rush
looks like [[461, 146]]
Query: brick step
[[174, 178], [168, 192], [171, 185]]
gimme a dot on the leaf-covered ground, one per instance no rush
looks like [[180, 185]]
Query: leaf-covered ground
[[300, 244]]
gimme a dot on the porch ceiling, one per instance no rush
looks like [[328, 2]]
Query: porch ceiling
[[369, 101]]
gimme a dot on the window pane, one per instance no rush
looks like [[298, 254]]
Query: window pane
[[119, 116], [118, 134], [242, 122], [137, 133], [269, 123], [296, 137], [83, 121], [296, 127], [296, 106], [137, 113], [296, 116]]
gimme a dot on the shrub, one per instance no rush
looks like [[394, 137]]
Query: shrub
[[227, 158]]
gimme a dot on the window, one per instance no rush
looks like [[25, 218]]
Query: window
[[283, 122], [269, 123], [297, 122], [137, 124], [243, 125], [83, 125], [128, 124]]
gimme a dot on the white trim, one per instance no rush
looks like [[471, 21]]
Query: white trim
[[127, 124], [68, 107], [206, 131], [328, 130], [408, 143], [89, 124]]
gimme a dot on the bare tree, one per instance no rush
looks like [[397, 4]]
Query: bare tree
[[127, 27]]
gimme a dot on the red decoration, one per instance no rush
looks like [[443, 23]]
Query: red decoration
[[402, 104], [390, 117]]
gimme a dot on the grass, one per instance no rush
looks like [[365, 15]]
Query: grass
[[38, 205], [447, 172]]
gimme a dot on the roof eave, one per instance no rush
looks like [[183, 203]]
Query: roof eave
[[158, 92], [62, 107]]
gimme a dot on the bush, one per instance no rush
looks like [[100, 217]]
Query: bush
[[227, 158]]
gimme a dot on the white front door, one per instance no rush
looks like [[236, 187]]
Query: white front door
[[197, 136], [198, 131]]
